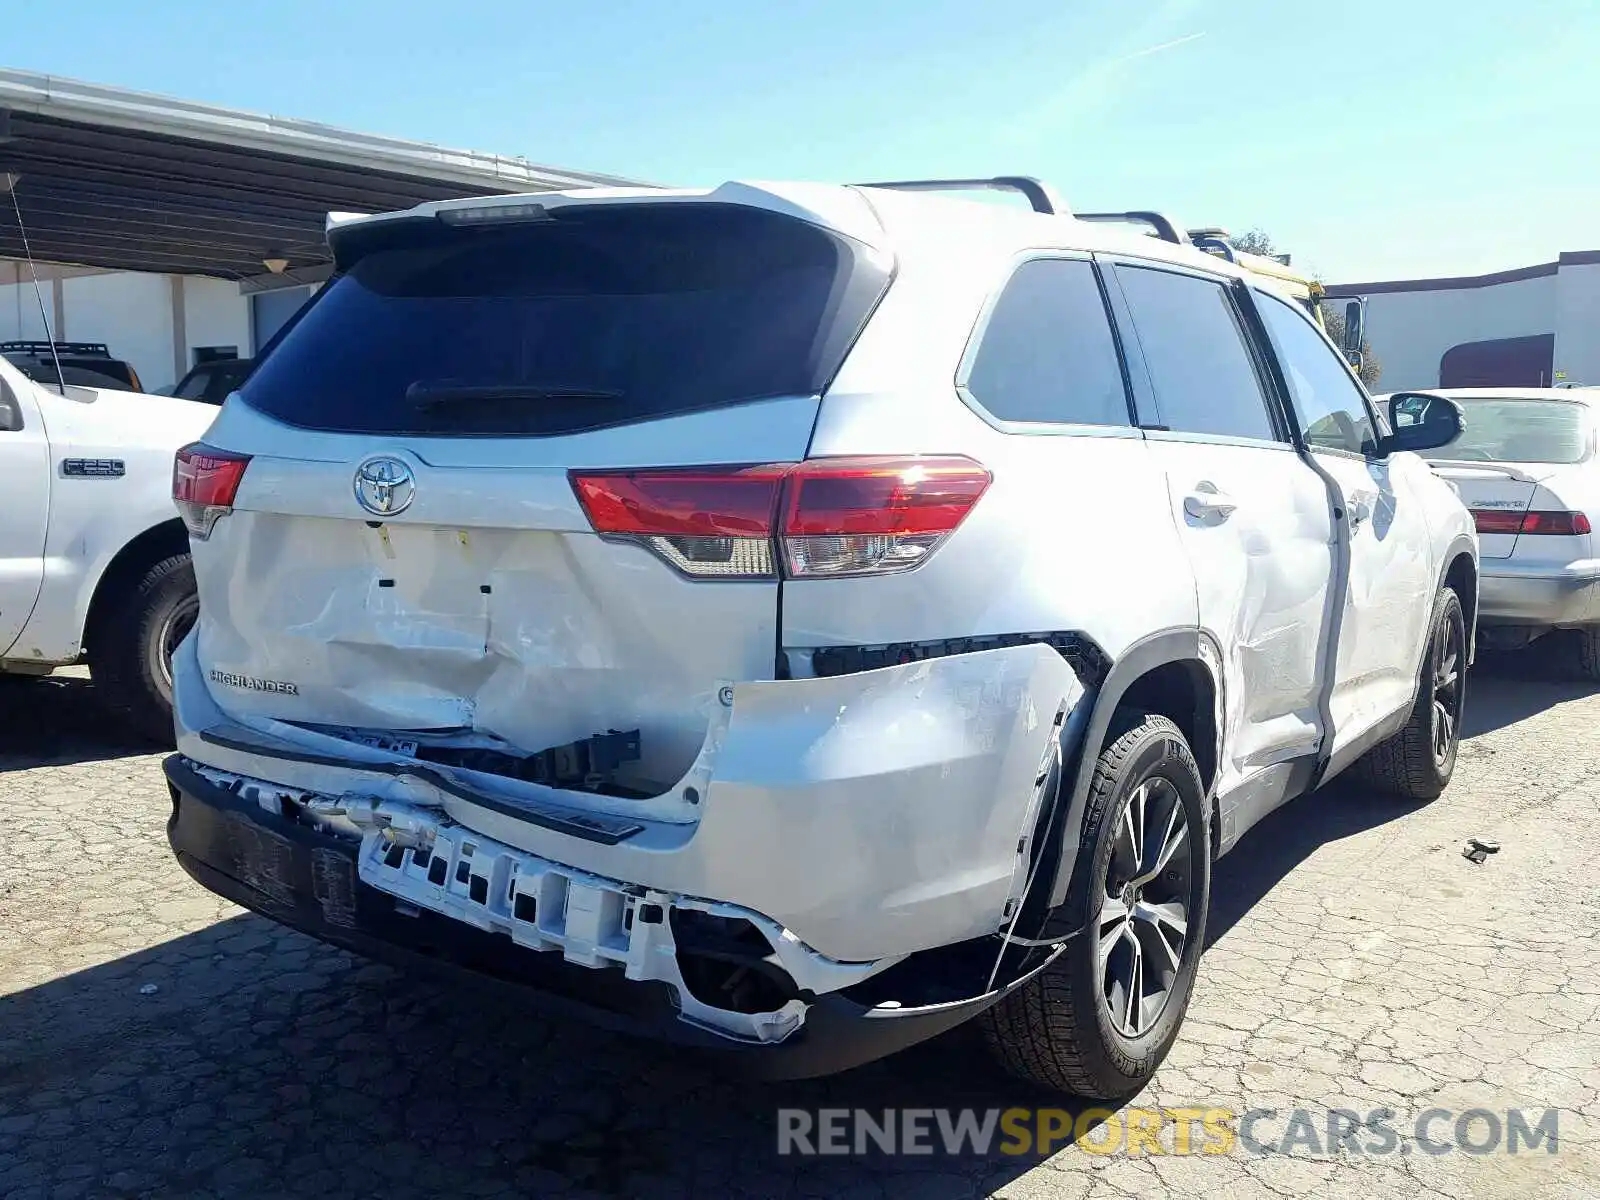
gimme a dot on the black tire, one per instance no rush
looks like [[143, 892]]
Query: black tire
[[1417, 762], [1059, 1029], [131, 642], [1589, 653]]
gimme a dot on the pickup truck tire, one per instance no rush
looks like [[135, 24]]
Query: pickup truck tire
[[1071, 1028], [1417, 762], [131, 644]]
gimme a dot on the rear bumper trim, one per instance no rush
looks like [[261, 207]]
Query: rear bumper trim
[[309, 880], [592, 827]]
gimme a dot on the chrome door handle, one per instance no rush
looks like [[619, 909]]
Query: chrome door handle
[[1207, 501]]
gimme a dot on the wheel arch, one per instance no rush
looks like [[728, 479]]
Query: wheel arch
[[1461, 573], [1169, 673], [129, 564]]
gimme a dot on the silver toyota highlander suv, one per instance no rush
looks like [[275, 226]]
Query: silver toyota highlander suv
[[796, 619]]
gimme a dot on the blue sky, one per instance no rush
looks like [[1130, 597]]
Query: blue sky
[[1372, 138]]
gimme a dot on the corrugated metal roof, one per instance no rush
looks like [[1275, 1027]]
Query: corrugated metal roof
[[112, 178]]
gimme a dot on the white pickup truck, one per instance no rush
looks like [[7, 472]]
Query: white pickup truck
[[94, 562]]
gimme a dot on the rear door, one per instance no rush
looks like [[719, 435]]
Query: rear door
[[413, 545], [24, 503], [1393, 569], [1254, 518]]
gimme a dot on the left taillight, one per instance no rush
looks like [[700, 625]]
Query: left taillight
[[823, 518], [204, 483]]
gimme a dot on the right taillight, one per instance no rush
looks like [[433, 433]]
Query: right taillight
[[1491, 520], [1560, 523], [873, 516], [204, 483], [828, 517]]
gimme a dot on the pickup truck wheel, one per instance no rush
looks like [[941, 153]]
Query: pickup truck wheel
[[1100, 1019], [1417, 762], [131, 645]]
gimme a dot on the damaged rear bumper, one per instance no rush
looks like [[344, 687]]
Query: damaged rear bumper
[[873, 814], [310, 879], [825, 885]]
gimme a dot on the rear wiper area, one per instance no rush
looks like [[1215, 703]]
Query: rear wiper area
[[437, 393]]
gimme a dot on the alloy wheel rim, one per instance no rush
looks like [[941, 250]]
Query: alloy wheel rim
[[1143, 928], [173, 630], [1449, 645]]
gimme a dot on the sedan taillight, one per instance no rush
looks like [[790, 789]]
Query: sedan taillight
[[204, 483], [1495, 520], [827, 517]]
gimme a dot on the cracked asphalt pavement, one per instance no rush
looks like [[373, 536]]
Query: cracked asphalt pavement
[[155, 1040]]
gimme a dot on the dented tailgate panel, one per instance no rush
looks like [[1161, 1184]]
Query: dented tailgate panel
[[533, 636]]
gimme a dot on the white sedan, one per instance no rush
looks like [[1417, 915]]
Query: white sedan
[[1526, 466]]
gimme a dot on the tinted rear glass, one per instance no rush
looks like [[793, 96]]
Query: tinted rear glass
[[110, 368], [1520, 431], [602, 316], [213, 382], [105, 373], [193, 385]]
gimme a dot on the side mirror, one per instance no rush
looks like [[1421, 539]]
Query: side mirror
[[10, 410], [1422, 421], [1355, 314]]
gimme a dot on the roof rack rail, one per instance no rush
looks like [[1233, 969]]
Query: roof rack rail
[[1040, 195], [26, 347], [1214, 240], [1165, 227]]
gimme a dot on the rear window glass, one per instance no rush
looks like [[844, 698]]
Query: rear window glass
[[106, 368], [193, 385], [104, 375], [600, 316], [1520, 431]]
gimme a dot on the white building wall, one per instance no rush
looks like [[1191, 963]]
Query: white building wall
[[19, 304], [215, 314], [131, 313], [1409, 331], [1577, 324]]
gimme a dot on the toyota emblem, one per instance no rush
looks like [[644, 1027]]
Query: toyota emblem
[[384, 486]]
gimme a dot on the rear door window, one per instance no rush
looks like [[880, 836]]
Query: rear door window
[[1047, 353], [600, 315], [1199, 359]]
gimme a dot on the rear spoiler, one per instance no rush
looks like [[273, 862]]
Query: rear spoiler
[[1448, 464]]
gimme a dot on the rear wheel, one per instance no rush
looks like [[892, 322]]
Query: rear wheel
[[1417, 762], [1099, 1021], [131, 645]]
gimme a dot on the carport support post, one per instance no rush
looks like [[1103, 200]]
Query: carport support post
[[58, 301], [180, 330]]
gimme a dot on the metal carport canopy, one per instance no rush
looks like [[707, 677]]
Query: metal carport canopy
[[130, 181]]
